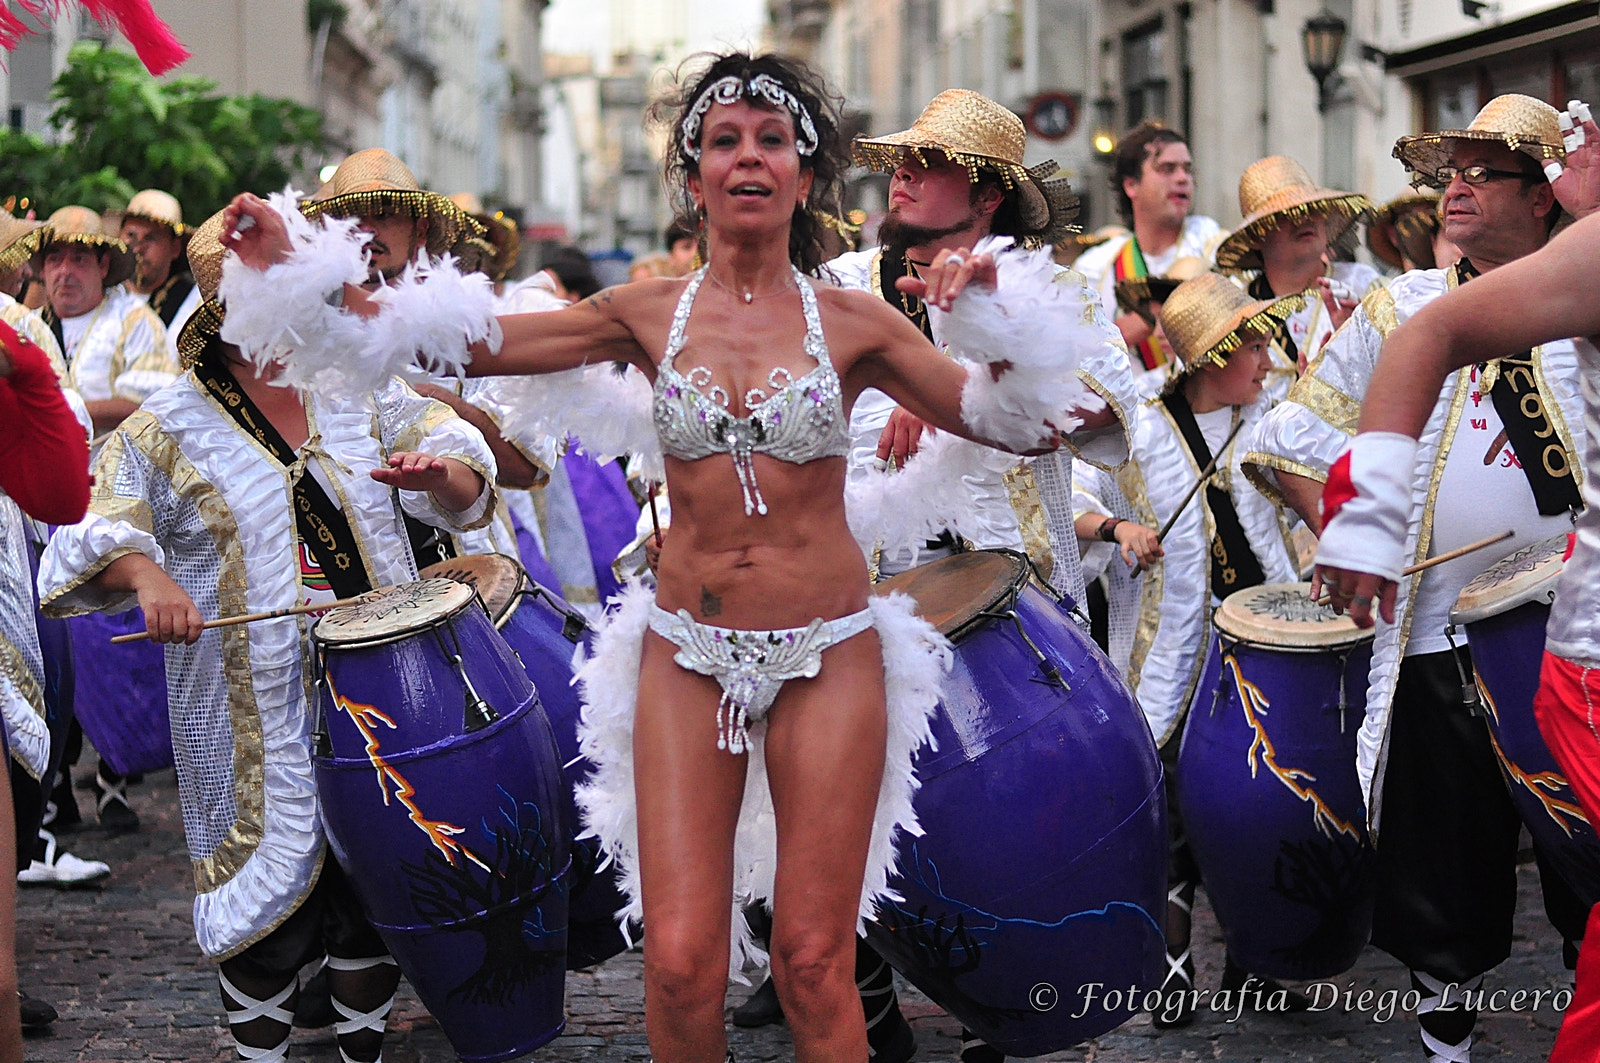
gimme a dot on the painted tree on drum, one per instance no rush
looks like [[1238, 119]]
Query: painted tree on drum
[[949, 951], [517, 947], [1333, 878]]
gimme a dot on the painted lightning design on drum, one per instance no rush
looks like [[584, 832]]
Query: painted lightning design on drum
[[1543, 785], [440, 833], [1255, 705]]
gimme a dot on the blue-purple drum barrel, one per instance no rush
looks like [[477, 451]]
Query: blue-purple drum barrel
[[1267, 784], [443, 801], [121, 693], [544, 631], [1504, 611], [1042, 868]]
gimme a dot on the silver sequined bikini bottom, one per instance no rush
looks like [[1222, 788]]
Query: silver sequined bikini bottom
[[750, 666]]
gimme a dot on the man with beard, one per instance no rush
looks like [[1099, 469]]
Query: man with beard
[[1500, 451], [1152, 177], [153, 229], [956, 177]]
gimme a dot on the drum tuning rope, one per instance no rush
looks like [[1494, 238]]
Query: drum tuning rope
[[1469, 687], [477, 713]]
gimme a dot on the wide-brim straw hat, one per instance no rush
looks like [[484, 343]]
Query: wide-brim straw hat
[[1135, 293], [1383, 236], [1208, 318], [501, 243], [80, 225], [374, 181], [19, 240], [1278, 191], [1521, 123], [976, 132], [205, 263], [160, 207]]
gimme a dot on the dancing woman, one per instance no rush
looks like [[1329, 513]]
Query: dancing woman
[[755, 366]]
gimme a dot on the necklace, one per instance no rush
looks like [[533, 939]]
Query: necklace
[[747, 295]]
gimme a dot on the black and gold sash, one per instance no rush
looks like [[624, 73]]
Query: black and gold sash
[[1260, 289], [892, 265], [52, 319], [1513, 385], [1234, 566], [322, 524], [166, 299]]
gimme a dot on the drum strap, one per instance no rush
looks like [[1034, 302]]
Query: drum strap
[[322, 525], [1233, 563], [1514, 388]]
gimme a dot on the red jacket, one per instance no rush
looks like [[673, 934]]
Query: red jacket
[[44, 458]]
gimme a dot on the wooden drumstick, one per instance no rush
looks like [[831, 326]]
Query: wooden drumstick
[[1448, 555], [250, 618], [1205, 474], [655, 518]]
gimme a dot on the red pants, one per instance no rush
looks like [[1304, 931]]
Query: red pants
[[1568, 710]]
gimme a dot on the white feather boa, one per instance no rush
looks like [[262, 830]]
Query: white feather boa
[[606, 406], [902, 509], [281, 315], [1042, 328], [915, 658]]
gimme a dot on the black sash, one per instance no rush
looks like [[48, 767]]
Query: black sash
[[54, 322], [166, 299], [321, 523], [429, 545], [892, 265], [1534, 440], [1260, 289], [1233, 563]]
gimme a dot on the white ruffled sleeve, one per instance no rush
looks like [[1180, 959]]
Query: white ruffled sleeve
[[409, 422]]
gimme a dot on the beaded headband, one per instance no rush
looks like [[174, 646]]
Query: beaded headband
[[730, 90]]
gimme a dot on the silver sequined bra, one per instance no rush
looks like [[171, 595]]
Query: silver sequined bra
[[802, 420]]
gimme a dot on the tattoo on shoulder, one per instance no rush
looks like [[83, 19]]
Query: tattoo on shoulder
[[710, 604]]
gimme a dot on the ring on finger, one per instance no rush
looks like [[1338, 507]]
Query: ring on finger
[[1362, 600], [956, 260]]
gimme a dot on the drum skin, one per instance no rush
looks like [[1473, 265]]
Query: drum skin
[[1043, 861], [455, 840], [536, 631], [1289, 872], [1507, 652], [121, 700]]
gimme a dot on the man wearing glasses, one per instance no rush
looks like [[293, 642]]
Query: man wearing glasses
[[1443, 824]]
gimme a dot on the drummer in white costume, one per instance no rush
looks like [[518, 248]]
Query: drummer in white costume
[[205, 481], [1445, 828], [1285, 246], [1365, 541], [1227, 538]]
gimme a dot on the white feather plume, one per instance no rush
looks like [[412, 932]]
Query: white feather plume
[[607, 409], [904, 508], [1038, 326], [429, 317]]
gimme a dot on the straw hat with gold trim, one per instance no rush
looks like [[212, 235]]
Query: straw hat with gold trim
[[1413, 213], [19, 241], [1135, 294], [1521, 123], [374, 181], [1208, 318], [978, 133], [160, 207], [205, 263], [1279, 191], [80, 225], [501, 243]]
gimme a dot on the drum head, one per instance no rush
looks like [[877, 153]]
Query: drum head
[[1529, 575], [1282, 615], [495, 577], [953, 592], [391, 613]]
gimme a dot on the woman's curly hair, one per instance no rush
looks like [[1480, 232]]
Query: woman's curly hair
[[808, 248]]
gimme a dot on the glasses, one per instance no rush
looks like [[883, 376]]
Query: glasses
[[1474, 175]]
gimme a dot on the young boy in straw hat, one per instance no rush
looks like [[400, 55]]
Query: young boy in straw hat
[[1444, 826], [1286, 245], [224, 495], [1226, 539]]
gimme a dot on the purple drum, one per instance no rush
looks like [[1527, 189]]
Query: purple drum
[[1267, 783], [121, 700], [544, 632], [1504, 611], [1043, 864], [442, 799]]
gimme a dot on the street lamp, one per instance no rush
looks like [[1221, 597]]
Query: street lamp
[[1323, 41], [1104, 140]]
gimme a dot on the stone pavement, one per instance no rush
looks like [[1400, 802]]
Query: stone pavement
[[121, 965]]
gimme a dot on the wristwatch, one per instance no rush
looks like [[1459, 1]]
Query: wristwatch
[[1108, 529]]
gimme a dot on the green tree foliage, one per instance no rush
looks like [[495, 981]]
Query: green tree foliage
[[120, 130]]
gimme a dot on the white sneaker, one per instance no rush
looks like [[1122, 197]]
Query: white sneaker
[[61, 869]]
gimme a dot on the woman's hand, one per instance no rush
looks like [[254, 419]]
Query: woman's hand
[[255, 232], [170, 614], [901, 437], [1140, 547], [949, 275]]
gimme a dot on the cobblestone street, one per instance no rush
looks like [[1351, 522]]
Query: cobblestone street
[[121, 965]]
